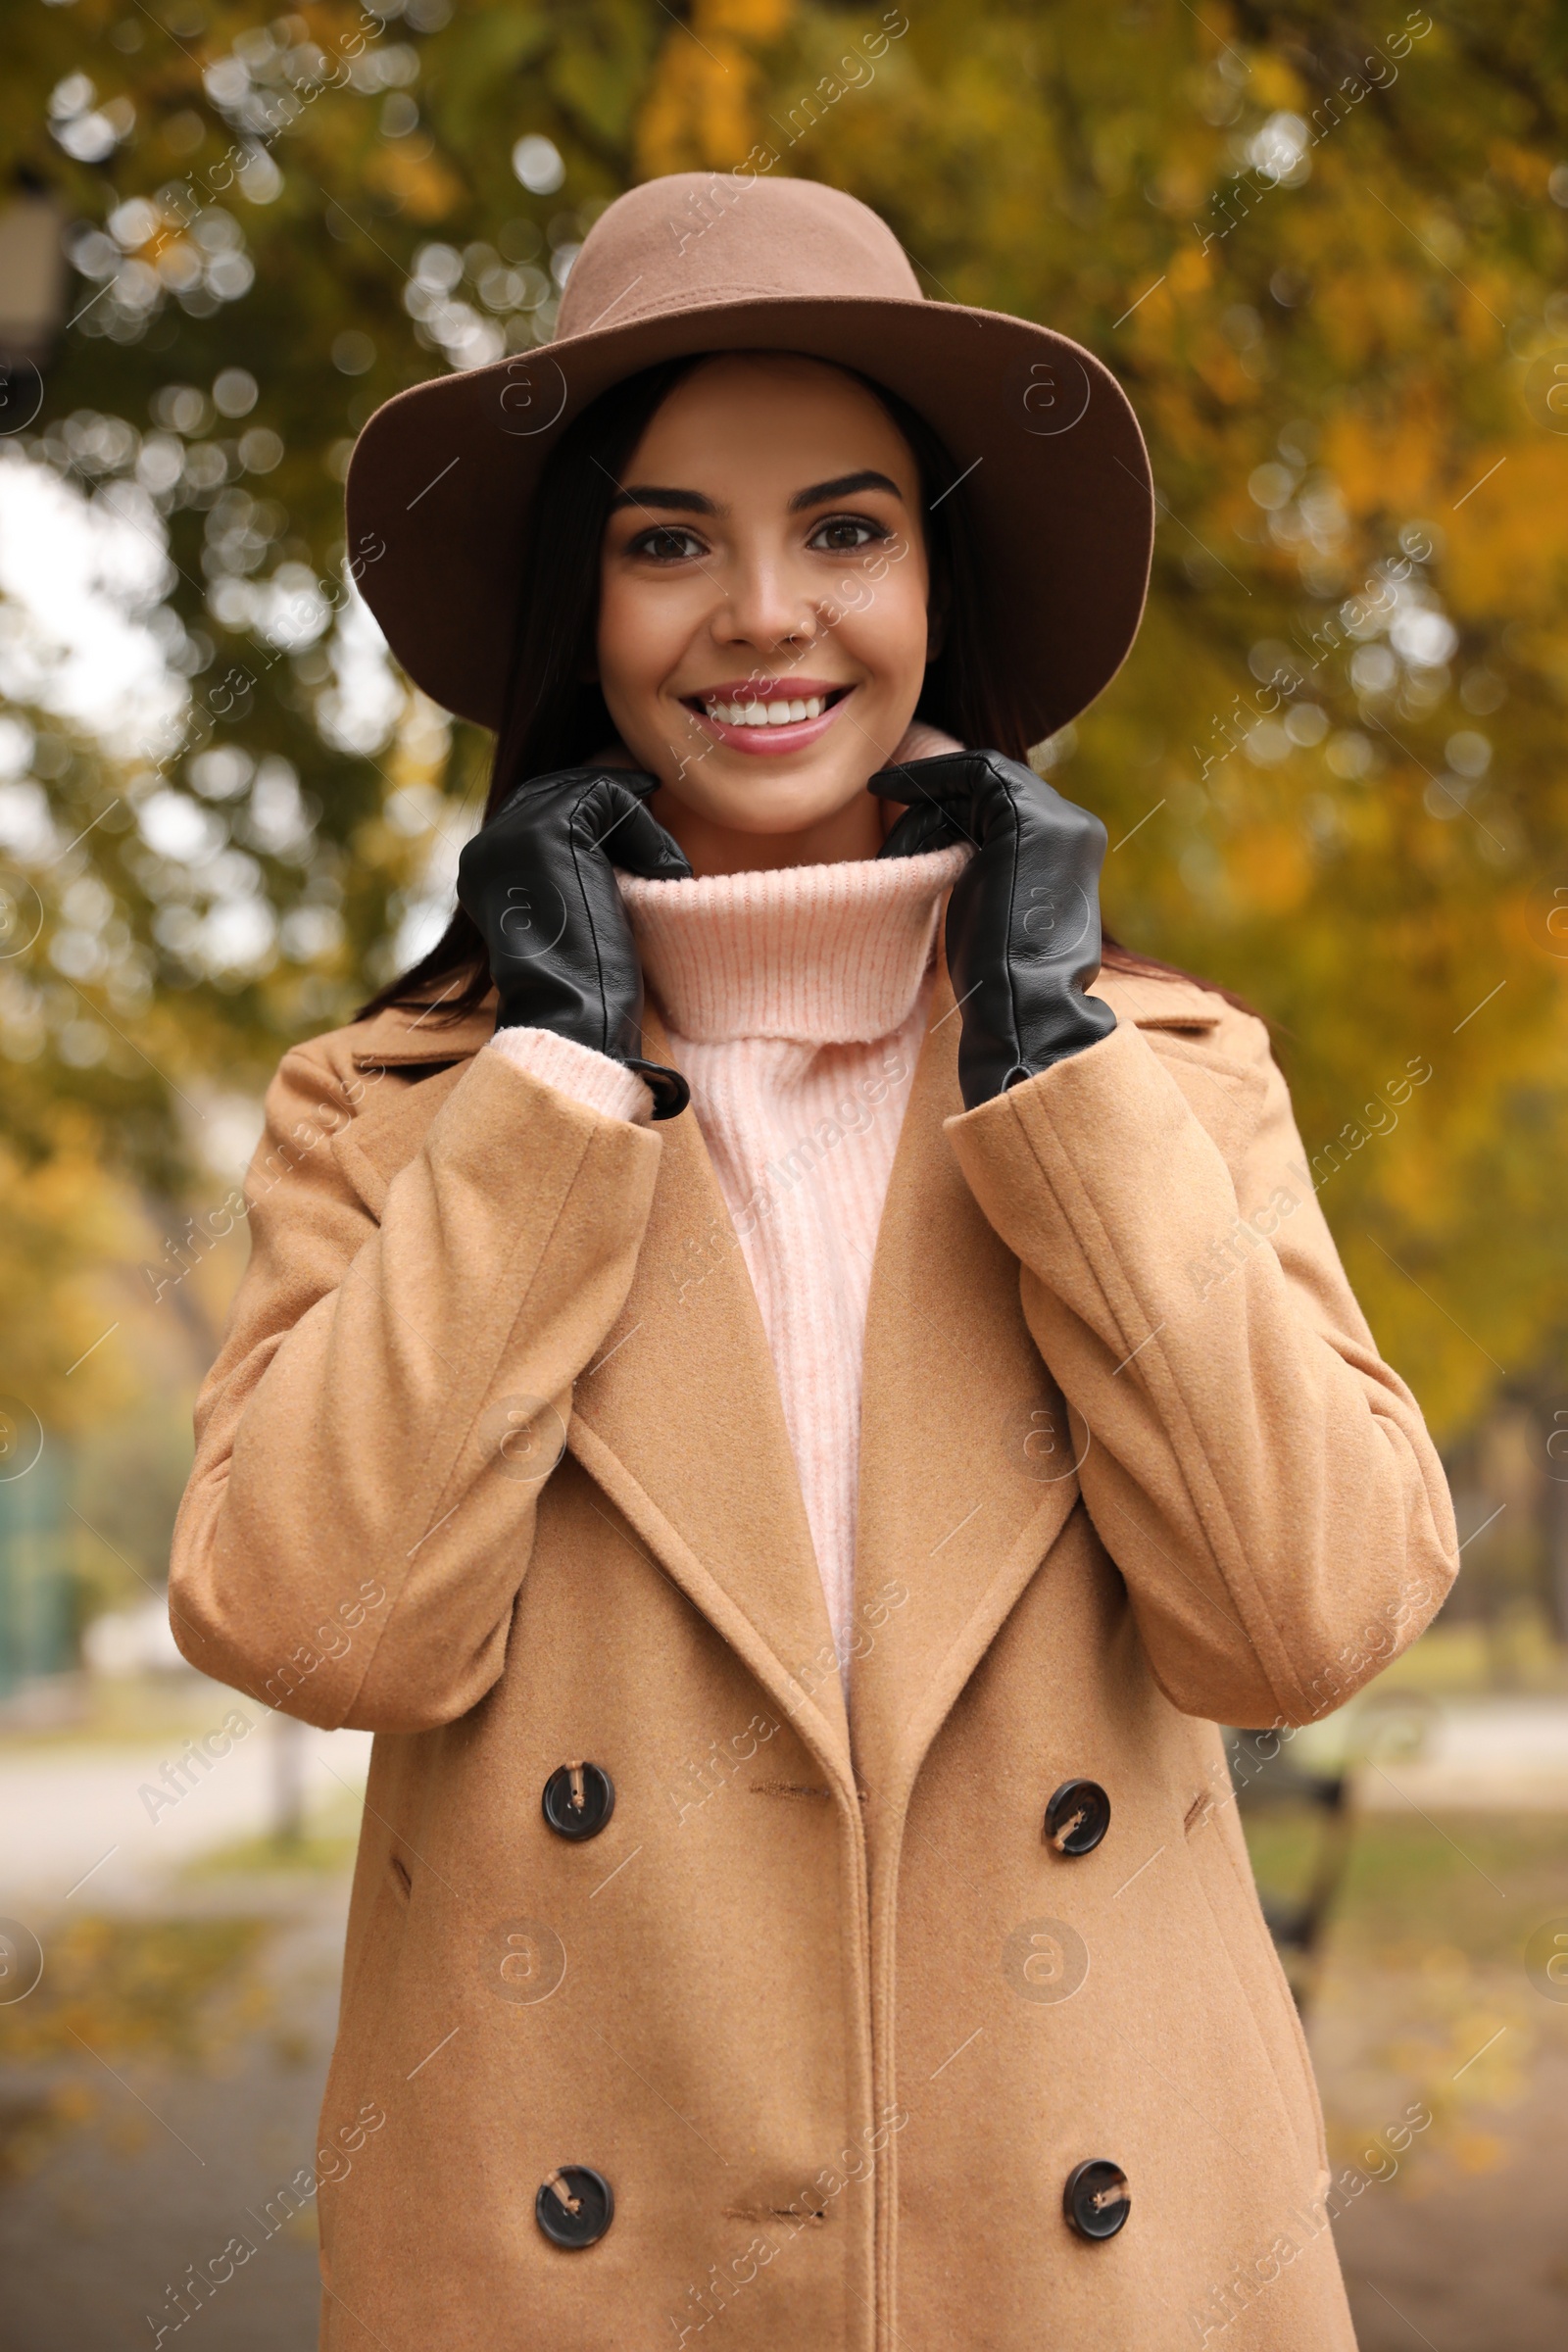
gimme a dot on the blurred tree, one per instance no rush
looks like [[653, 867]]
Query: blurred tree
[[1323, 253]]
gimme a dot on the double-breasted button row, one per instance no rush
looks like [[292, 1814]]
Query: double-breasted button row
[[578, 1799], [1077, 1817], [1096, 2199], [574, 2205]]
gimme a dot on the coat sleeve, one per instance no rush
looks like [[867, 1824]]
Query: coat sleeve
[[393, 1390], [1263, 1480]]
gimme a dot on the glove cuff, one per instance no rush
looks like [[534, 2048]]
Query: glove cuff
[[669, 1087]]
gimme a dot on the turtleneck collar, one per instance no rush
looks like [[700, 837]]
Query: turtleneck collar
[[827, 955], [833, 954]]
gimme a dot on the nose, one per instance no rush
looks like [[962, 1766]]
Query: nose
[[767, 603]]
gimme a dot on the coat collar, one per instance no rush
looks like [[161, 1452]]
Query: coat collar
[[398, 1039], [967, 1453]]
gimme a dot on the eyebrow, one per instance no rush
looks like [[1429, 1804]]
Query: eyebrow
[[844, 487], [697, 502]]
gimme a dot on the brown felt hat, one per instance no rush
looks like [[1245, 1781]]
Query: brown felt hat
[[1054, 463]]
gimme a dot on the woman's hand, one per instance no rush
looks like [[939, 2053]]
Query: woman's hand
[[538, 883], [1023, 920]]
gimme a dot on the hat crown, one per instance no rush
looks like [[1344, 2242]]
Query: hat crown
[[698, 237]]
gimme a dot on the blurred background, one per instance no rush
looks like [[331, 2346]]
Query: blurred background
[[1325, 251]]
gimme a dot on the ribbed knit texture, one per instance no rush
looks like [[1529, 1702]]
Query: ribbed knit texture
[[796, 1002], [588, 1077]]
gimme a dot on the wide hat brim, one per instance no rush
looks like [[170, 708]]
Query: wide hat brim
[[1043, 439]]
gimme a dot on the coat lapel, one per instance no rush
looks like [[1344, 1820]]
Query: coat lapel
[[967, 1455], [679, 1420], [966, 1458]]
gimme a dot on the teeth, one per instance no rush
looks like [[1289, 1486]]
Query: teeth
[[767, 715]]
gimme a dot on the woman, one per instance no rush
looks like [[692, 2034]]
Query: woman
[[794, 1466]]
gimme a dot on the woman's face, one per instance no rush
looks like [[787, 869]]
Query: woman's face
[[762, 616]]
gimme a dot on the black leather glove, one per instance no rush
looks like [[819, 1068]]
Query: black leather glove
[[1023, 920], [538, 884]]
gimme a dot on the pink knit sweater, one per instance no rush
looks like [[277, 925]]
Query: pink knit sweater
[[795, 1001]]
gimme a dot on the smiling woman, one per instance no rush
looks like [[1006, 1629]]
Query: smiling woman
[[767, 1206], [711, 541]]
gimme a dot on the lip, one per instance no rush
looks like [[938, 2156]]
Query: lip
[[772, 742]]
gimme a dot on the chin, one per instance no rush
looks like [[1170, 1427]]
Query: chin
[[779, 810]]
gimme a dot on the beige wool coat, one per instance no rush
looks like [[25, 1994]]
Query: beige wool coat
[[492, 1464]]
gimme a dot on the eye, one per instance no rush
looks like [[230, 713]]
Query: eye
[[847, 534], [668, 543]]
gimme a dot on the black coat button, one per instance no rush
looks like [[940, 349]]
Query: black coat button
[[574, 2205], [1077, 1817], [1097, 2199], [578, 1799]]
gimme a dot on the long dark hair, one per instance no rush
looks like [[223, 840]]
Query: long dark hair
[[554, 718]]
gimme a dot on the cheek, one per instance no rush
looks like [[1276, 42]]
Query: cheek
[[887, 630], [618, 641], [641, 633]]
